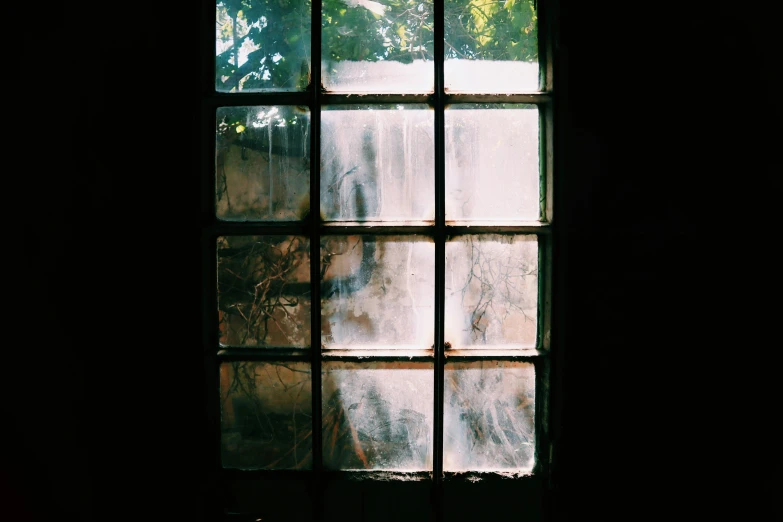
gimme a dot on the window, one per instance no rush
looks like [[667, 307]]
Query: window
[[378, 311]]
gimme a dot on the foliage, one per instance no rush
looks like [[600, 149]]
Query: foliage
[[265, 44]]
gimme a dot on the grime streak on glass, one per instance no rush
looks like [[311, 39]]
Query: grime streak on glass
[[491, 291], [488, 416], [262, 163], [377, 415], [492, 162], [377, 163], [263, 291], [266, 415], [377, 292]]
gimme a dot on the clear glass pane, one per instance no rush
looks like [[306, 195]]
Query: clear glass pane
[[488, 416], [491, 291], [492, 162], [377, 415], [491, 46], [264, 291], [377, 292], [262, 163], [377, 163], [371, 46], [262, 45], [266, 415]]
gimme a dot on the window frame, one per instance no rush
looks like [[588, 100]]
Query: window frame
[[539, 479]]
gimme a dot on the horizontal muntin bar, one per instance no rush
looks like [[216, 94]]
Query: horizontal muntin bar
[[375, 228], [537, 98], [485, 227], [343, 98], [238, 99], [264, 354], [240, 228], [383, 353], [495, 353]]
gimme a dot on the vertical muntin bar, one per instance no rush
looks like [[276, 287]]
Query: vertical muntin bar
[[440, 258], [315, 254]]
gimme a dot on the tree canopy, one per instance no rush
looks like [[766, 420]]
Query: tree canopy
[[265, 44]]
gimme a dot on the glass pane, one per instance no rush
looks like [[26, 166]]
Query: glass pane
[[377, 163], [266, 415], [262, 163], [373, 46], [492, 162], [488, 417], [377, 415], [491, 46], [491, 291], [377, 292], [262, 45], [264, 291]]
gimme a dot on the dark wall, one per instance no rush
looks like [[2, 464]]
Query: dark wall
[[669, 135], [670, 129]]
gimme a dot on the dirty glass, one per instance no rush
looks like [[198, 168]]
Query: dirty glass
[[377, 415], [492, 162], [262, 45], [266, 415], [491, 46], [491, 284], [371, 46], [377, 163], [488, 416], [263, 291], [262, 166], [377, 291]]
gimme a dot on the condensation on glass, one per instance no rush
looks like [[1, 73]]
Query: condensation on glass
[[377, 292], [266, 415], [492, 162], [488, 416], [264, 291], [262, 45], [378, 47], [491, 46], [377, 163], [262, 163], [377, 415], [491, 291]]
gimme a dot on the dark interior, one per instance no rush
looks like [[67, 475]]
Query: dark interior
[[668, 146]]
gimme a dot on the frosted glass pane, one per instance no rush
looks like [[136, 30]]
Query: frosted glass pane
[[266, 415], [377, 292], [263, 291], [491, 46], [491, 291], [492, 162], [262, 163], [488, 416], [371, 46], [262, 45], [377, 163], [377, 415]]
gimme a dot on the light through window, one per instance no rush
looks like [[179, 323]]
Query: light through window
[[381, 237]]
